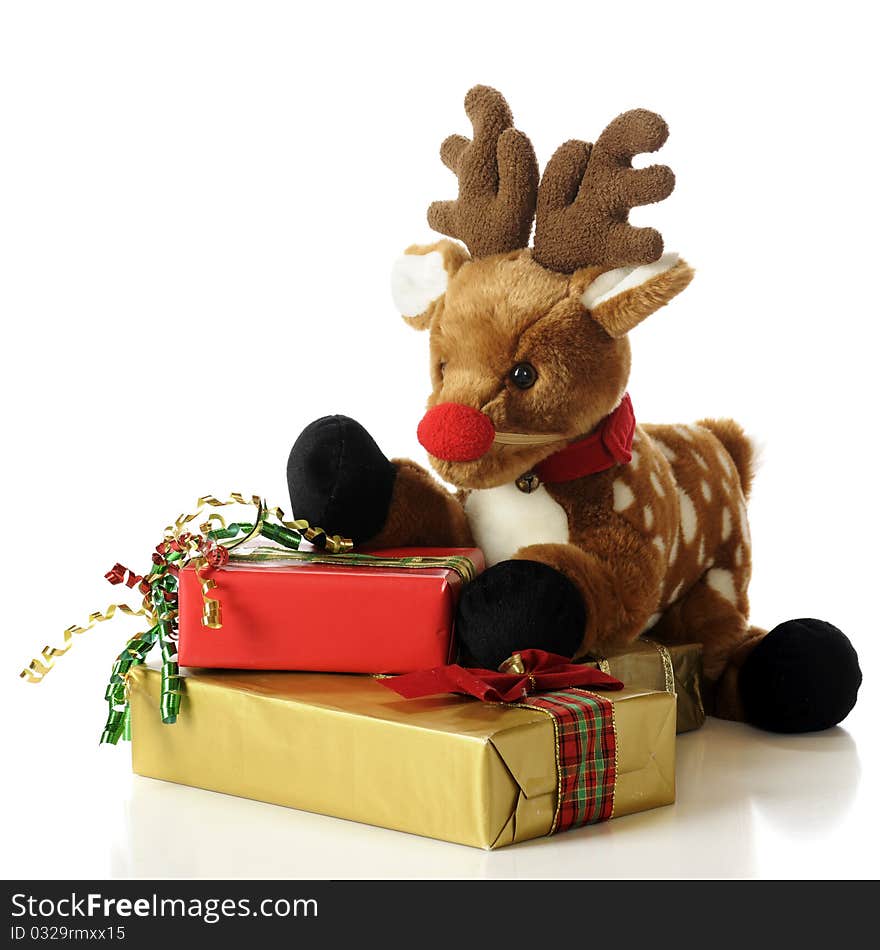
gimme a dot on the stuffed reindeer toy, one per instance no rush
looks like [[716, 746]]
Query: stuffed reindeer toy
[[595, 529]]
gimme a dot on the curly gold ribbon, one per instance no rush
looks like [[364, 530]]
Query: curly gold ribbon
[[210, 604], [334, 543], [40, 666]]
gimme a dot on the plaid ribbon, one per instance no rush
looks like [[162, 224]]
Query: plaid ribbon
[[586, 755]]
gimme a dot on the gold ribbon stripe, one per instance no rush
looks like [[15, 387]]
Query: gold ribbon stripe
[[462, 565], [665, 660]]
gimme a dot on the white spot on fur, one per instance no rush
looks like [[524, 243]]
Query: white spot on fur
[[675, 594], [673, 551], [724, 459], [417, 280], [726, 523], [664, 448], [702, 552], [660, 544], [636, 458], [684, 432], [623, 495], [721, 581], [621, 279], [744, 524], [706, 489], [657, 485], [702, 462], [649, 517], [688, 516], [504, 519], [650, 622], [738, 555]]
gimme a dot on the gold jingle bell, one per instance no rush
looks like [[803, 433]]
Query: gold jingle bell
[[528, 483]]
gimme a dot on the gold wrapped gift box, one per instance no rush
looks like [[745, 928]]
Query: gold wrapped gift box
[[445, 767], [676, 669]]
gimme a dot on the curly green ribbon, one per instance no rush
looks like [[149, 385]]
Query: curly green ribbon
[[161, 585], [116, 694]]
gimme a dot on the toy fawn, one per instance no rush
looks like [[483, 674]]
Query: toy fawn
[[595, 529]]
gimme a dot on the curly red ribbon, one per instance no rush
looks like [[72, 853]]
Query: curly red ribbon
[[120, 574]]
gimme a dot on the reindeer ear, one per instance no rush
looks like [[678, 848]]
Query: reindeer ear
[[621, 298], [419, 279]]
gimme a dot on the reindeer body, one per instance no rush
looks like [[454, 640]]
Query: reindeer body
[[595, 529], [654, 494], [678, 509]]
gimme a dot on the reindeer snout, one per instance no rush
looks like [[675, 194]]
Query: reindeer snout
[[456, 433]]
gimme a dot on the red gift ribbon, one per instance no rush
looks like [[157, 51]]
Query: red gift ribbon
[[525, 673]]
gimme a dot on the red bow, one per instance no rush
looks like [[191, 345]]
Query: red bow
[[527, 672]]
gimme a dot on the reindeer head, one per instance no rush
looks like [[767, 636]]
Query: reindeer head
[[528, 346]]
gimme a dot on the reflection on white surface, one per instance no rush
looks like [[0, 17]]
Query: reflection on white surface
[[749, 804], [739, 791]]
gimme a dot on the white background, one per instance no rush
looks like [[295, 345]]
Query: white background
[[200, 205]]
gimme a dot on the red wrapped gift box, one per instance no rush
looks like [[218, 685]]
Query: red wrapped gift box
[[325, 617]]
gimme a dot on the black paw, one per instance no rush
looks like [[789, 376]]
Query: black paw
[[802, 677], [339, 479], [519, 605]]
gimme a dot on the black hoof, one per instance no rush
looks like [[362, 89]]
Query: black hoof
[[339, 479], [519, 605], [802, 677]]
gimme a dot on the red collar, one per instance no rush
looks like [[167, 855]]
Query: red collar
[[610, 443]]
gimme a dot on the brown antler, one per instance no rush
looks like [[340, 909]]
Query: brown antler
[[587, 191], [497, 180]]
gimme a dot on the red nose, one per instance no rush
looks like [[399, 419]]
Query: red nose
[[456, 433]]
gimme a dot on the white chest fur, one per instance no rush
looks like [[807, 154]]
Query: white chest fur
[[504, 519]]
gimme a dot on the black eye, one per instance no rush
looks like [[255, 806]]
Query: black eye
[[523, 375]]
